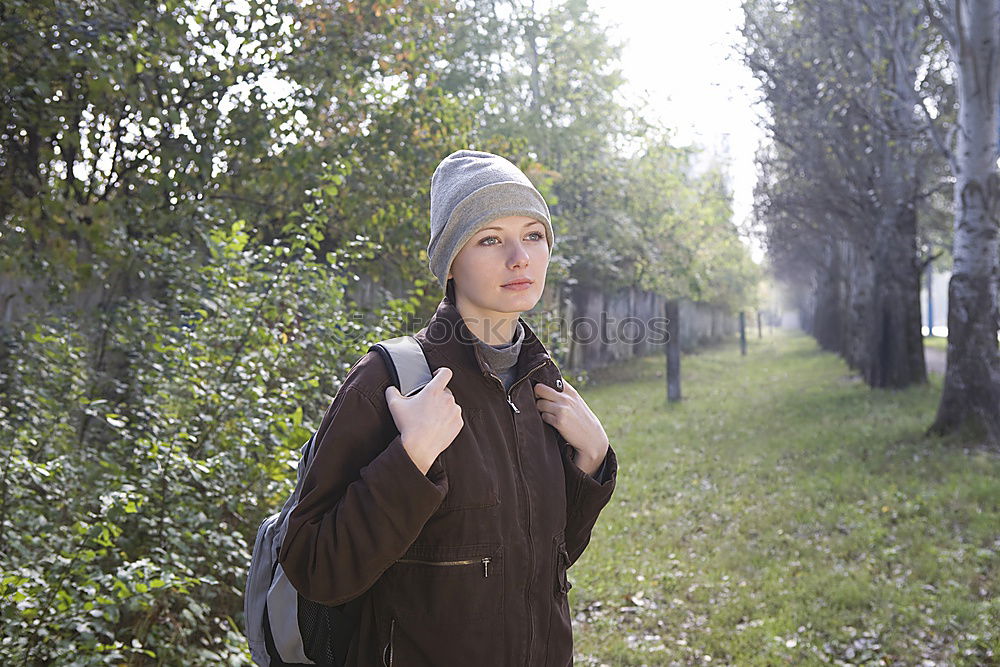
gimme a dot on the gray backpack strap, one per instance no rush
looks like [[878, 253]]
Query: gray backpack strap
[[404, 357]]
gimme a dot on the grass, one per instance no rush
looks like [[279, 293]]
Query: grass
[[783, 513], [938, 342]]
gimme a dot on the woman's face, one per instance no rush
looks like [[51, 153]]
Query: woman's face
[[508, 249]]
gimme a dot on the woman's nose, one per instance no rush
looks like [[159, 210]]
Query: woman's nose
[[518, 255]]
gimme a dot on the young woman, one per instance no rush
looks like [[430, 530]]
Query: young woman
[[451, 516]]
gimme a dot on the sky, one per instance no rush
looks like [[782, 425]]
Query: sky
[[680, 56]]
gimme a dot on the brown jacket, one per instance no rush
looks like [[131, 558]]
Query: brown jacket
[[466, 565]]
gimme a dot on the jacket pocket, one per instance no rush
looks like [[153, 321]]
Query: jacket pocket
[[471, 470], [387, 660], [445, 606], [559, 639], [561, 566], [447, 585]]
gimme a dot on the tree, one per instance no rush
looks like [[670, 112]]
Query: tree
[[627, 209], [172, 319], [971, 395], [848, 173]]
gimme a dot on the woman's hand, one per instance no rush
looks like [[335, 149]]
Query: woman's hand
[[429, 421], [576, 422]]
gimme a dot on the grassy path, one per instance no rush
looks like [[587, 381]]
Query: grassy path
[[783, 513]]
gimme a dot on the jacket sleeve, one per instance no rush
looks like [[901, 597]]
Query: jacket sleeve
[[363, 500], [586, 496]]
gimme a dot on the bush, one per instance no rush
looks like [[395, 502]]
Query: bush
[[127, 521]]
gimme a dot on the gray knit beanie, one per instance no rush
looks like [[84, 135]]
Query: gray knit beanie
[[470, 189]]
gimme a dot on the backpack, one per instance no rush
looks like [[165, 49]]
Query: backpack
[[282, 627]]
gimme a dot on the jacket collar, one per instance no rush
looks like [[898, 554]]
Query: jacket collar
[[447, 334]]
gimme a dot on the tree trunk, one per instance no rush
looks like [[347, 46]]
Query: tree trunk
[[971, 394], [896, 348], [859, 266], [672, 312], [827, 320]]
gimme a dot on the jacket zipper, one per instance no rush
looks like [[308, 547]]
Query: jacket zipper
[[485, 561], [527, 501], [508, 392]]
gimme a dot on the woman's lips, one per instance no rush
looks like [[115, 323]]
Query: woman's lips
[[518, 286]]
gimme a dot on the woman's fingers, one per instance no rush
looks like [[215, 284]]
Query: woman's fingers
[[545, 405]]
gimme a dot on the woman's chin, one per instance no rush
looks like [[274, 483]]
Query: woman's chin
[[525, 299]]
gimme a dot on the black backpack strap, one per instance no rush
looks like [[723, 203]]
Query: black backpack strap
[[404, 357]]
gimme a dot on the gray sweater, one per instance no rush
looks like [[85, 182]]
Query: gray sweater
[[503, 358]]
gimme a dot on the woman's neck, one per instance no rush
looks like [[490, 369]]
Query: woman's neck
[[492, 328]]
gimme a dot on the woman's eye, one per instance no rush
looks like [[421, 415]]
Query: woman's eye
[[538, 236]]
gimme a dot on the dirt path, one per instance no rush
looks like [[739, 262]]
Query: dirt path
[[936, 359]]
